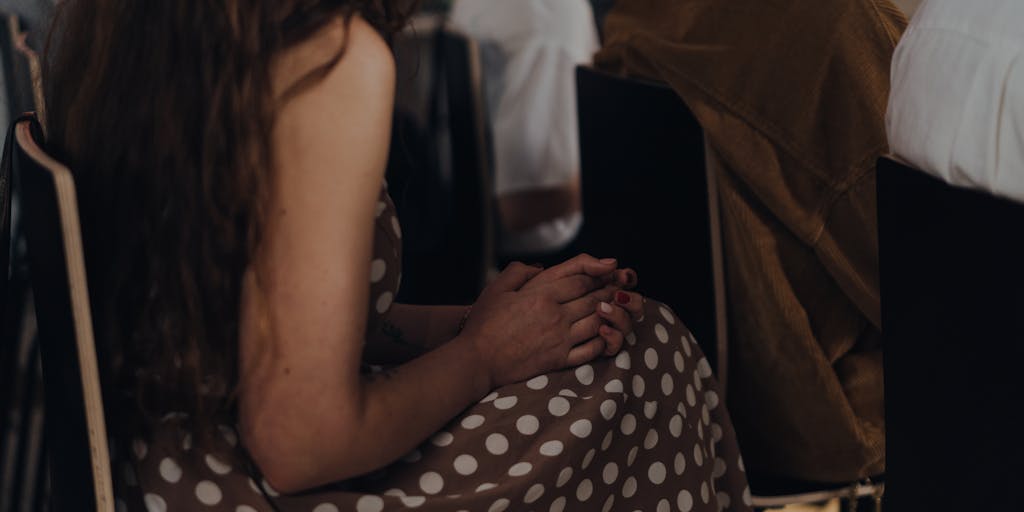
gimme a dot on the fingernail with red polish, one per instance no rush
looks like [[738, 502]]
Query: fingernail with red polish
[[622, 298]]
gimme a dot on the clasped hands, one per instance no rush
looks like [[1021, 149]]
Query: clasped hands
[[530, 321]]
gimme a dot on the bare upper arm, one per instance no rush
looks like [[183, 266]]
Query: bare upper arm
[[330, 143]]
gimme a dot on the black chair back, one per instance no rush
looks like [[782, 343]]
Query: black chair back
[[650, 201], [438, 172], [75, 430], [952, 282]]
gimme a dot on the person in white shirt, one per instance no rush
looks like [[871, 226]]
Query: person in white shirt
[[530, 49], [956, 109]]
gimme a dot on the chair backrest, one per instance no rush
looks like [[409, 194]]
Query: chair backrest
[[438, 173], [75, 430], [952, 284], [649, 199]]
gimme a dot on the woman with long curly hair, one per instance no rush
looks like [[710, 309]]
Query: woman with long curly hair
[[243, 257]]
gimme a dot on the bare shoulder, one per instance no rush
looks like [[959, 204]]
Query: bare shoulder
[[366, 67]]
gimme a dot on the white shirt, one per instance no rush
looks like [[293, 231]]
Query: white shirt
[[956, 109]]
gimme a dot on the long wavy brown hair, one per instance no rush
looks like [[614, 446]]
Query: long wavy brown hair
[[163, 110]]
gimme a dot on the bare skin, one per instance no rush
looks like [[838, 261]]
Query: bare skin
[[306, 412]]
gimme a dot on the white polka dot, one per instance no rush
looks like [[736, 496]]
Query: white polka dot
[[585, 374], [739, 464], [413, 456], [704, 492], [377, 270], [686, 346], [650, 409], [631, 339], [638, 386], [719, 468], [584, 490], [608, 408], [712, 399], [651, 440], [705, 416], [656, 473], [651, 358], [607, 441], [608, 503], [724, 500], [395, 226], [629, 488], [186, 442], [563, 477], [667, 384], [384, 301], [520, 469], [139, 448], [622, 360], [551, 448], [588, 458], [697, 382], [527, 425], [661, 333], [216, 465], [684, 501], [679, 464], [245, 508], [558, 406], [558, 505], [170, 470], [703, 368], [667, 315], [680, 363], [500, 505], [613, 386], [534, 493], [465, 464], [471, 422], [154, 503], [489, 397], [325, 507], [611, 473], [486, 487], [370, 504], [431, 482], [632, 456], [506, 403], [442, 439], [748, 500], [497, 444], [581, 428], [537, 383], [664, 506], [700, 430], [698, 455], [691, 396], [381, 207], [412, 501], [675, 426], [208, 493], [569, 393], [716, 432], [628, 424]]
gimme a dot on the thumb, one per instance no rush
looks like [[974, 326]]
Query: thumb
[[514, 277]]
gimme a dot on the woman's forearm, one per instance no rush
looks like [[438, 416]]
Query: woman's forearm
[[410, 331]]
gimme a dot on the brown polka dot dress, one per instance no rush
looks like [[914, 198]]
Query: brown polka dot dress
[[645, 430]]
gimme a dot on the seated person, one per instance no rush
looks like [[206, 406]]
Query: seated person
[[243, 257], [791, 95], [530, 50], [956, 109]]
